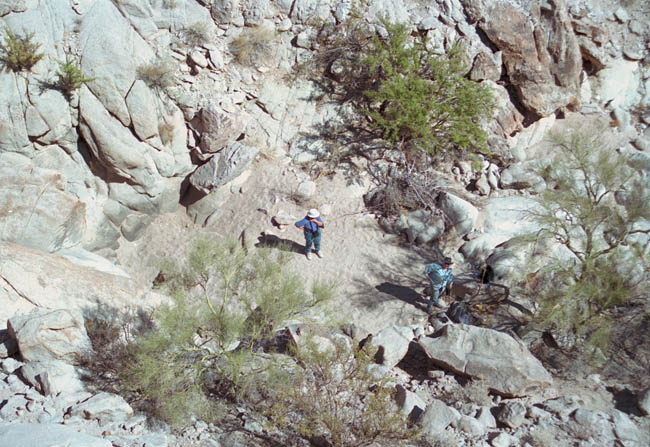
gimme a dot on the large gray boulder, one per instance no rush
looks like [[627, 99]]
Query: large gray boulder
[[40, 212], [113, 144], [50, 335], [220, 128], [460, 212], [13, 134], [628, 433], [437, 416], [104, 407], [17, 434], [393, 344], [52, 377], [223, 167], [522, 175], [33, 278], [502, 219], [424, 226], [410, 403], [503, 363]]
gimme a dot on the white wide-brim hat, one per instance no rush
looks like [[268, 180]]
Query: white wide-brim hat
[[313, 213]]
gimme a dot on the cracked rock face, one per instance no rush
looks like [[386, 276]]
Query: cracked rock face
[[503, 363], [540, 52]]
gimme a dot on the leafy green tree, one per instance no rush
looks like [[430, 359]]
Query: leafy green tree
[[595, 209], [19, 53], [420, 101], [213, 341]]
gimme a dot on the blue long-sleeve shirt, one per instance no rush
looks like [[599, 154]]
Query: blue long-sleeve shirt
[[308, 225], [439, 277]]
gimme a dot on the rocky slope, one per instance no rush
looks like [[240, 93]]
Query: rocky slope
[[180, 132]]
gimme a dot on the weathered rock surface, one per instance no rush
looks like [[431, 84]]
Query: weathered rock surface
[[223, 167], [220, 128], [105, 407], [540, 51], [52, 377], [17, 434], [437, 416], [38, 211], [32, 278], [50, 335], [392, 343], [504, 364], [460, 212]]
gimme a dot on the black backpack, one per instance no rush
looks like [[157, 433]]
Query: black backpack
[[458, 312]]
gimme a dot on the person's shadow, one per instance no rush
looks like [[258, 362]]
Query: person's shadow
[[406, 294], [273, 241]]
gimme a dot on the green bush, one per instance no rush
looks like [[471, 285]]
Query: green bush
[[421, 102], [596, 212], [69, 76], [19, 53], [333, 397], [212, 342]]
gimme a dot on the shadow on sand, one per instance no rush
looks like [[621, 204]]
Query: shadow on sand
[[406, 294], [273, 241]]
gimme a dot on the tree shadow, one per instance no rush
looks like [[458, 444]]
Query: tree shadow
[[396, 282], [272, 241]]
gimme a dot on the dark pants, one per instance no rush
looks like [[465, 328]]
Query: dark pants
[[434, 298], [312, 238]]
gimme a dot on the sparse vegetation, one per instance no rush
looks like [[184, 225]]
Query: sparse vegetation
[[599, 215], [197, 34], [474, 391], [210, 346], [19, 53], [333, 397], [254, 46], [157, 75], [69, 76]]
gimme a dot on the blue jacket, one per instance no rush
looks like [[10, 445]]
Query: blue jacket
[[309, 226], [439, 277]]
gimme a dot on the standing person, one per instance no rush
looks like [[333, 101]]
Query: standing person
[[441, 278], [312, 226]]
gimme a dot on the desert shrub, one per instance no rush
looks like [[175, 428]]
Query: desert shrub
[[110, 331], [197, 34], [19, 53], [254, 46], [212, 342], [332, 397], [69, 76], [419, 101], [599, 214], [474, 391], [157, 75]]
